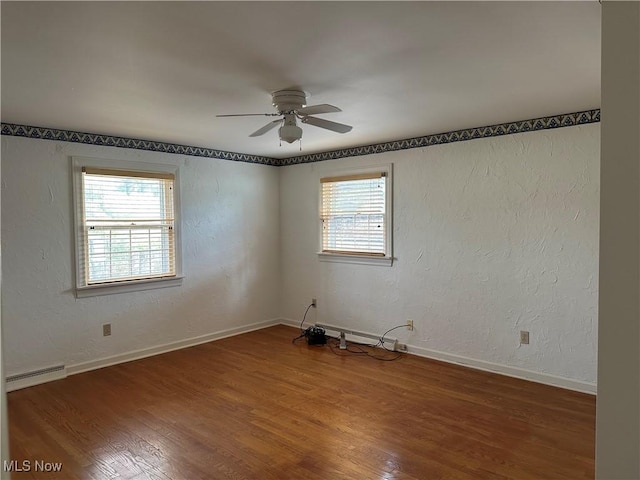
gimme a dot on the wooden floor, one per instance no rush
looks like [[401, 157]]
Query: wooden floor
[[255, 406]]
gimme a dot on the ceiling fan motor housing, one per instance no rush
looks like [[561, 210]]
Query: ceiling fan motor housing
[[288, 100]]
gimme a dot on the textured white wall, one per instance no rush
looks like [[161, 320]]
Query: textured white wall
[[491, 236], [230, 263]]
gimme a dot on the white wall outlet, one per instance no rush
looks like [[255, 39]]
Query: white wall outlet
[[409, 324], [106, 329], [314, 302], [524, 337]]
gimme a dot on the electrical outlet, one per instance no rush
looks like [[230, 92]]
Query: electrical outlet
[[313, 302], [409, 324], [401, 347], [524, 338], [106, 329]]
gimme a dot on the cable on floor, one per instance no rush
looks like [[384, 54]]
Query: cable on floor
[[354, 348], [358, 349]]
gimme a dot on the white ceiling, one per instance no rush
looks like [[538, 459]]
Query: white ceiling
[[163, 70]]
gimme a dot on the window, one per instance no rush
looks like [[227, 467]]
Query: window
[[126, 227], [355, 216]]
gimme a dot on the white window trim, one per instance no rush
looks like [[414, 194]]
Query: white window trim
[[82, 290], [361, 259]]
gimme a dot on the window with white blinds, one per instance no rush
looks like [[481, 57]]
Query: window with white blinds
[[126, 227], [354, 214]]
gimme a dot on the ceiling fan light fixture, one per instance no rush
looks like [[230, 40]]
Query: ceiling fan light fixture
[[290, 133]]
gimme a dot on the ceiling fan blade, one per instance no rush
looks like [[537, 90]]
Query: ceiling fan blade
[[315, 109], [322, 123], [250, 115], [266, 128]]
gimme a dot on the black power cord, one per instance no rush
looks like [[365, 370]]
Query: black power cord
[[304, 317]]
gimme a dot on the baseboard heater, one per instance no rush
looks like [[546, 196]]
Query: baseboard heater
[[389, 342], [35, 377]]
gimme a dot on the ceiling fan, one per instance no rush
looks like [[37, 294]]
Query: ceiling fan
[[291, 107]]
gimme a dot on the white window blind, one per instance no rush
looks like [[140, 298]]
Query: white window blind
[[127, 225], [353, 214]]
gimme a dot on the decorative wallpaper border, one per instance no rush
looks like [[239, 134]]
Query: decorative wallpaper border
[[544, 123], [556, 121], [123, 142]]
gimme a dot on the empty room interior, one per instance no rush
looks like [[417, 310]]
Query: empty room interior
[[320, 240]]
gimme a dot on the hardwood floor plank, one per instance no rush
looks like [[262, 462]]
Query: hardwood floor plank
[[256, 406]]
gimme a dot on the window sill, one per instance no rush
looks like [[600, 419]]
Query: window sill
[[357, 259], [132, 286]]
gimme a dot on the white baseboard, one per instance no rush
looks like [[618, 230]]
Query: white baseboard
[[31, 380], [292, 323], [168, 347], [544, 378]]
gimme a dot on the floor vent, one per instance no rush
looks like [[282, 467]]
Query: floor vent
[[35, 377]]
